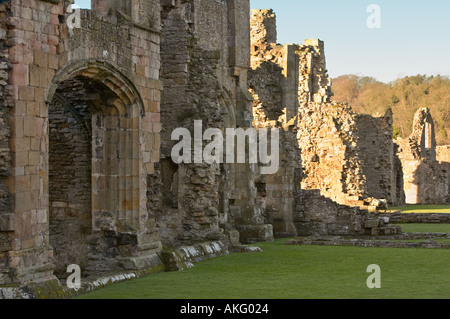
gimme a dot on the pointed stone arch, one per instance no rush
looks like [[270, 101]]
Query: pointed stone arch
[[106, 74], [118, 198]]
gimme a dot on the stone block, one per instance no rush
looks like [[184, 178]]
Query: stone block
[[21, 158], [29, 126], [255, 233], [19, 75], [26, 93], [20, 144], [41, 59], [34, 158], [7, 222]]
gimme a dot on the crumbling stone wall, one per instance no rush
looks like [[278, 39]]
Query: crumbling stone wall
[[339, 156], [314, 83], [5, 152], [349, 156], [319, 215], [376, 150], [328, 150], [291, 91], [273, 81], [204, 70], [190, 79], [426, 178], [443, 156]]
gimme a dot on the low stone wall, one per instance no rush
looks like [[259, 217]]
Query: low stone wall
[[402, 218], [394, 242], [184, 257]]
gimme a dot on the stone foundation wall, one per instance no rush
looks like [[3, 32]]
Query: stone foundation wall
[[319, 215], [415, 218], [386, 242]]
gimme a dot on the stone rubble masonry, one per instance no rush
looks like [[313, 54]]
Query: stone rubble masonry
[[426, 167], [333, 145], [205, 79], [348, 156]]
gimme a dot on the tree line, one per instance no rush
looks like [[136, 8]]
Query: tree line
[[405, 96]]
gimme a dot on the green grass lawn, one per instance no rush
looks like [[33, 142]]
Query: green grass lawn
[[422, 209], [298, 272], [425, 228]]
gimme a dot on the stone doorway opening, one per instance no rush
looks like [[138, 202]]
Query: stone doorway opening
[[70, 175], [95, 182]]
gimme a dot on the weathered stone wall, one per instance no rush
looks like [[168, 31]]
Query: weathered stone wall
[[314, 83], [282, 190], [110, 53], [337, 145], [205, 78], [273, 82], [319, 215], [5, 152], [328, 151], [291, 91], [443, 153], [426, 179], [189, 73], [70, 171], [379, 164], [349, 156]]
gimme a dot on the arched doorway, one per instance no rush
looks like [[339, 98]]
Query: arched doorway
[[96, 183]]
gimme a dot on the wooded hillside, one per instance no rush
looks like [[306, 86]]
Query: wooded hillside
[[405, 96]]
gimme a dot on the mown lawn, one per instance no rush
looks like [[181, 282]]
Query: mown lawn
[[298, 272], [422, 209], [426, 228]]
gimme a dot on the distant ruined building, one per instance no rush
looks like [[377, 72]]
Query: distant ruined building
[[426, 167], [349, 157], [86, 121]]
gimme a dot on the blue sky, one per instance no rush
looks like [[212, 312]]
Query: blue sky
[[414, 37]]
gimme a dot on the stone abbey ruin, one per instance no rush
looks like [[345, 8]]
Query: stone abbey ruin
[[86, 116]]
